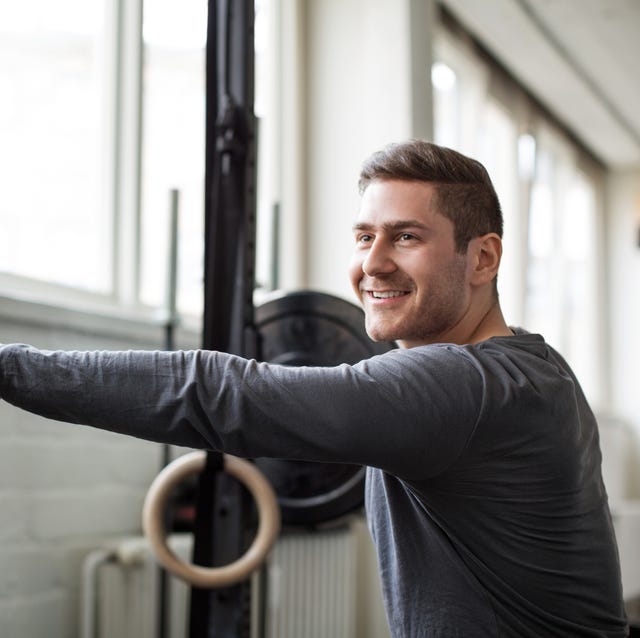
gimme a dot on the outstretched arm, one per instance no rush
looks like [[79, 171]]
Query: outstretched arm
[[374, 413]]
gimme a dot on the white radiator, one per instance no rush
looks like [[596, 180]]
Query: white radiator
[[120, 592], [319, 584], [311, 586]]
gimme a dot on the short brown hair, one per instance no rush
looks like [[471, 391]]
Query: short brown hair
[[464, 192]]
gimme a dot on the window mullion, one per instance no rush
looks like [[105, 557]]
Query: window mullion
[[129, 138], [109, 144]]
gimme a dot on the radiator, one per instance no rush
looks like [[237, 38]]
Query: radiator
[[319, 584], [311, 586], [120, 593]]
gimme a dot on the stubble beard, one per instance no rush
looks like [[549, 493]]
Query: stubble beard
[[427, 320]]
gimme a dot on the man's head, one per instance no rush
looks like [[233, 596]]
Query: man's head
[[463, 188], [428, 246]]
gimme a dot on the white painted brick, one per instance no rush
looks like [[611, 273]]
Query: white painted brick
[[31, 462], [46, 616], [15, 517], [103, 510], [26, 570], [134, 462]]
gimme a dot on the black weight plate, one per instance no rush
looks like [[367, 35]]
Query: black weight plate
[[316, 329]]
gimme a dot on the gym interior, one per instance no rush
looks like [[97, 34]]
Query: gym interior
[[102, 246]]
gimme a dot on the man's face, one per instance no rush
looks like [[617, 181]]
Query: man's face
[[411, 282]]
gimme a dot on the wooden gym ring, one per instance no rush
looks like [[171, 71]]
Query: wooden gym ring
[[211, 577]]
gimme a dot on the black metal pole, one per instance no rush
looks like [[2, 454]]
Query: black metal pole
[[223, 521]]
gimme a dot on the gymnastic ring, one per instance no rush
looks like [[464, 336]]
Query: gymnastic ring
[[211, 577]]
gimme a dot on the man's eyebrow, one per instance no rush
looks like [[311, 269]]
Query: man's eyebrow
[[393, 226]]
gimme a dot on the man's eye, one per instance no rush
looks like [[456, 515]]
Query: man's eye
[[364, 239], [406, 237]]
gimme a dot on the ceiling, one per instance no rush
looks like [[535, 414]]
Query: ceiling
[[580, 58]]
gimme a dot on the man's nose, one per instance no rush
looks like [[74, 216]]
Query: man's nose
[[379, 260]]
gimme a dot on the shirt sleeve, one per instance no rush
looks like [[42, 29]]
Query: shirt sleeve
[[407, 412]]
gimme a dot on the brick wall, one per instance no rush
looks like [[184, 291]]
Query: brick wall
[[64, 490]]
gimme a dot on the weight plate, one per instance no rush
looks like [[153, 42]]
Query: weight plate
[[315, 329]]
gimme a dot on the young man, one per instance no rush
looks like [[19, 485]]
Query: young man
[[484, 492]]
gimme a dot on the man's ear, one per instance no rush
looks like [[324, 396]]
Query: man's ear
[[485, 255]]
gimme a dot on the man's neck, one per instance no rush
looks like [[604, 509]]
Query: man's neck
[[473, 328], [492, 324]]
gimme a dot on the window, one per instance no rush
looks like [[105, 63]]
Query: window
[[173, 150], [561, 297], [548, 279], [55, 104], [102, 120]]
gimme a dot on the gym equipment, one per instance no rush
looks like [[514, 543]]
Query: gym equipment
[[224, 522], [153, 514], [313, 329], [297, 329]]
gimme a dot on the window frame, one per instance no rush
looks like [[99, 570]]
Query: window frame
[[119, 185]]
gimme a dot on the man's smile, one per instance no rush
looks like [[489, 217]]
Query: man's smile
[[386, 294]]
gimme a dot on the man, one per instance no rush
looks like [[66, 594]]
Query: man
[[484, 492]]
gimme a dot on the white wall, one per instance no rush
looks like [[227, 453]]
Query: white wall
[[368, 84]]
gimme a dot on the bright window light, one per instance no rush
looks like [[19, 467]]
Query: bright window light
[[443, 77]]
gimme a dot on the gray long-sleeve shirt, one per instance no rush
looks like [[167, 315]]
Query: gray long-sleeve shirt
[[484, 493]]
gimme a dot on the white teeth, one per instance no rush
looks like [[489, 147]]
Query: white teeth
[[387, 294]]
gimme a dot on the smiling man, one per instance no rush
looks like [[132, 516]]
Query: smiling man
[[417, 283], [484, 493]]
